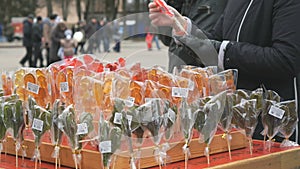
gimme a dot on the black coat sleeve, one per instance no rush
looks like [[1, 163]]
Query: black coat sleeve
[[282, 58]]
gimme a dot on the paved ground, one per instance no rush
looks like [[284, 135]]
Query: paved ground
[[133, 51]]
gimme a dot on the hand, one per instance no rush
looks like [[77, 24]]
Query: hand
[[62, 41], [160, 19]]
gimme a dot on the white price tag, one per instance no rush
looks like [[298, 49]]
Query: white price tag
[[180, 92], [118, 118], [37, 124], [276, 112], [82, 128], [171, 115], [191, 85], [130, 101], [105, 147], [33, 88], [64, 87]]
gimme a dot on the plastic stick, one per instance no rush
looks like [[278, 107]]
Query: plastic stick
[[229, 147], [17, 158]]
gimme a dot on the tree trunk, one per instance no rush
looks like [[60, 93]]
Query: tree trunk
[[87, 7], [78, 9], [49, 8], [65, 9], [115, 9], [125, 32]]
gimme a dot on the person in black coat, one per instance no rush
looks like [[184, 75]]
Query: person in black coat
[[204, 14], [37, 34], [57, 35], [27, 41], [260, 38]]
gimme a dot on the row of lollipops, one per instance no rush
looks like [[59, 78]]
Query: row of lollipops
[[106, 103]]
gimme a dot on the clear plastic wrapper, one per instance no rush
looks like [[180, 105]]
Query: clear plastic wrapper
[[169, 123], [41, 122], [64, 85], [129, 119], [34, 83], [269, 98], [120, 87], [188, 114], [195, 84], [289, 122], [7, 83], [231, 76], [214, 109], [3, 128], [138, 73], [56, 133], [86, 94], [217, 84], [74, 131], [245, 115], [137, 92], [109, 141], [225, 121], [270, 121], [152, 121], [107, 88], [18, 125]]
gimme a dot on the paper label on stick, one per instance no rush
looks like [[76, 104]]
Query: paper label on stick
[[37, 124], [276, 112], [34, 88], [82, 128], [105, 147]]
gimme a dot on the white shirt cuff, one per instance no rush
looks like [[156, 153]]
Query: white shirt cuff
[[221, 55]]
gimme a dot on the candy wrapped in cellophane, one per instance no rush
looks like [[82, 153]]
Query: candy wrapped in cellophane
[[289, 122], [3, 128], [245, 115], [214, 109], [109, 141], [6, 82], [12, 120], [187, 115], [40, 119], [76, 128], [56, 133], [225, 80]]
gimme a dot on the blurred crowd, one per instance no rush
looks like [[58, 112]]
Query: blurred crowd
[[52, 39]]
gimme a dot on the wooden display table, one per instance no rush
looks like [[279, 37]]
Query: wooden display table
[[278, 158], [91, 158]]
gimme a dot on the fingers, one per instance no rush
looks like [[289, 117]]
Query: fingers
[[153, 8]]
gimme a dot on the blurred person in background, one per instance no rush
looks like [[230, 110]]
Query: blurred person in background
[[68, 44], [57, 35], [99, 37], [107, 32], [117, 34], [48, 26], [27, 41], [78, 30], [37, 34], [9, 32], [90, 29]]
